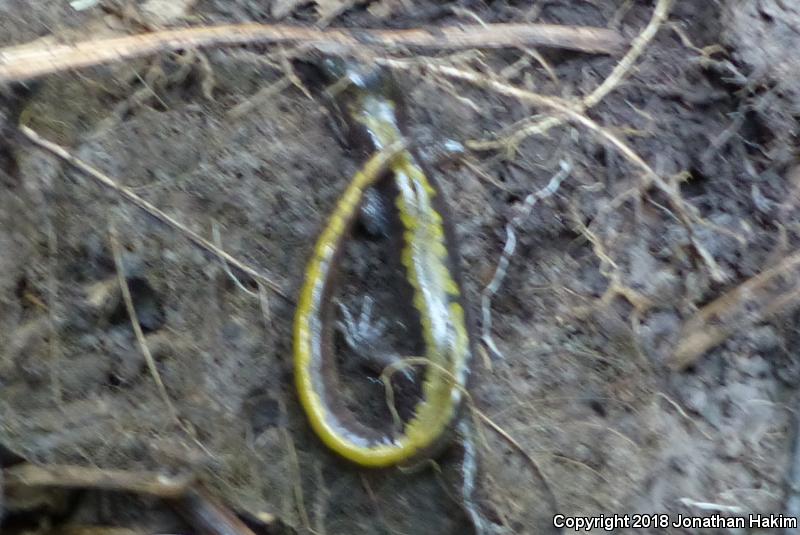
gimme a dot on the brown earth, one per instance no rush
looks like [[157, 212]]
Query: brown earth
[[607, 276]]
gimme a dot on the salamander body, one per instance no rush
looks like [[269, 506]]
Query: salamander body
[[370, 107]]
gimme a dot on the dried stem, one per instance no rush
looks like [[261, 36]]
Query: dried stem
[[31, 60], [151, 209], [68, 476]]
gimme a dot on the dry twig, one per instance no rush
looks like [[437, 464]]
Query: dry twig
[[620, 72], [527, 456], [137, 328], [297, 482], [32, 60], [686, 213], [148, 207], [754, 300], [200, 509], [556, 104], [210, 516], [69, 476]]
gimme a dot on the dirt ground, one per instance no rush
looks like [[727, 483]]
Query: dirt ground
[[645, 327]]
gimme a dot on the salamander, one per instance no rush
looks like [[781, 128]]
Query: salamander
[[370, 107]]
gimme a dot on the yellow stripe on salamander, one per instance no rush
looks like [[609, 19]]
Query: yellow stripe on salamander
[[307, 310], [425, 258]]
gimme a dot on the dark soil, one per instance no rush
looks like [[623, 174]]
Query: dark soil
[[606, 274]]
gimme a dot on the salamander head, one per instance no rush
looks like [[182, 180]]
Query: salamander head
[[351, 75]]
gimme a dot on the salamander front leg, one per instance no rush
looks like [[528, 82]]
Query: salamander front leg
[[366, 337]]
